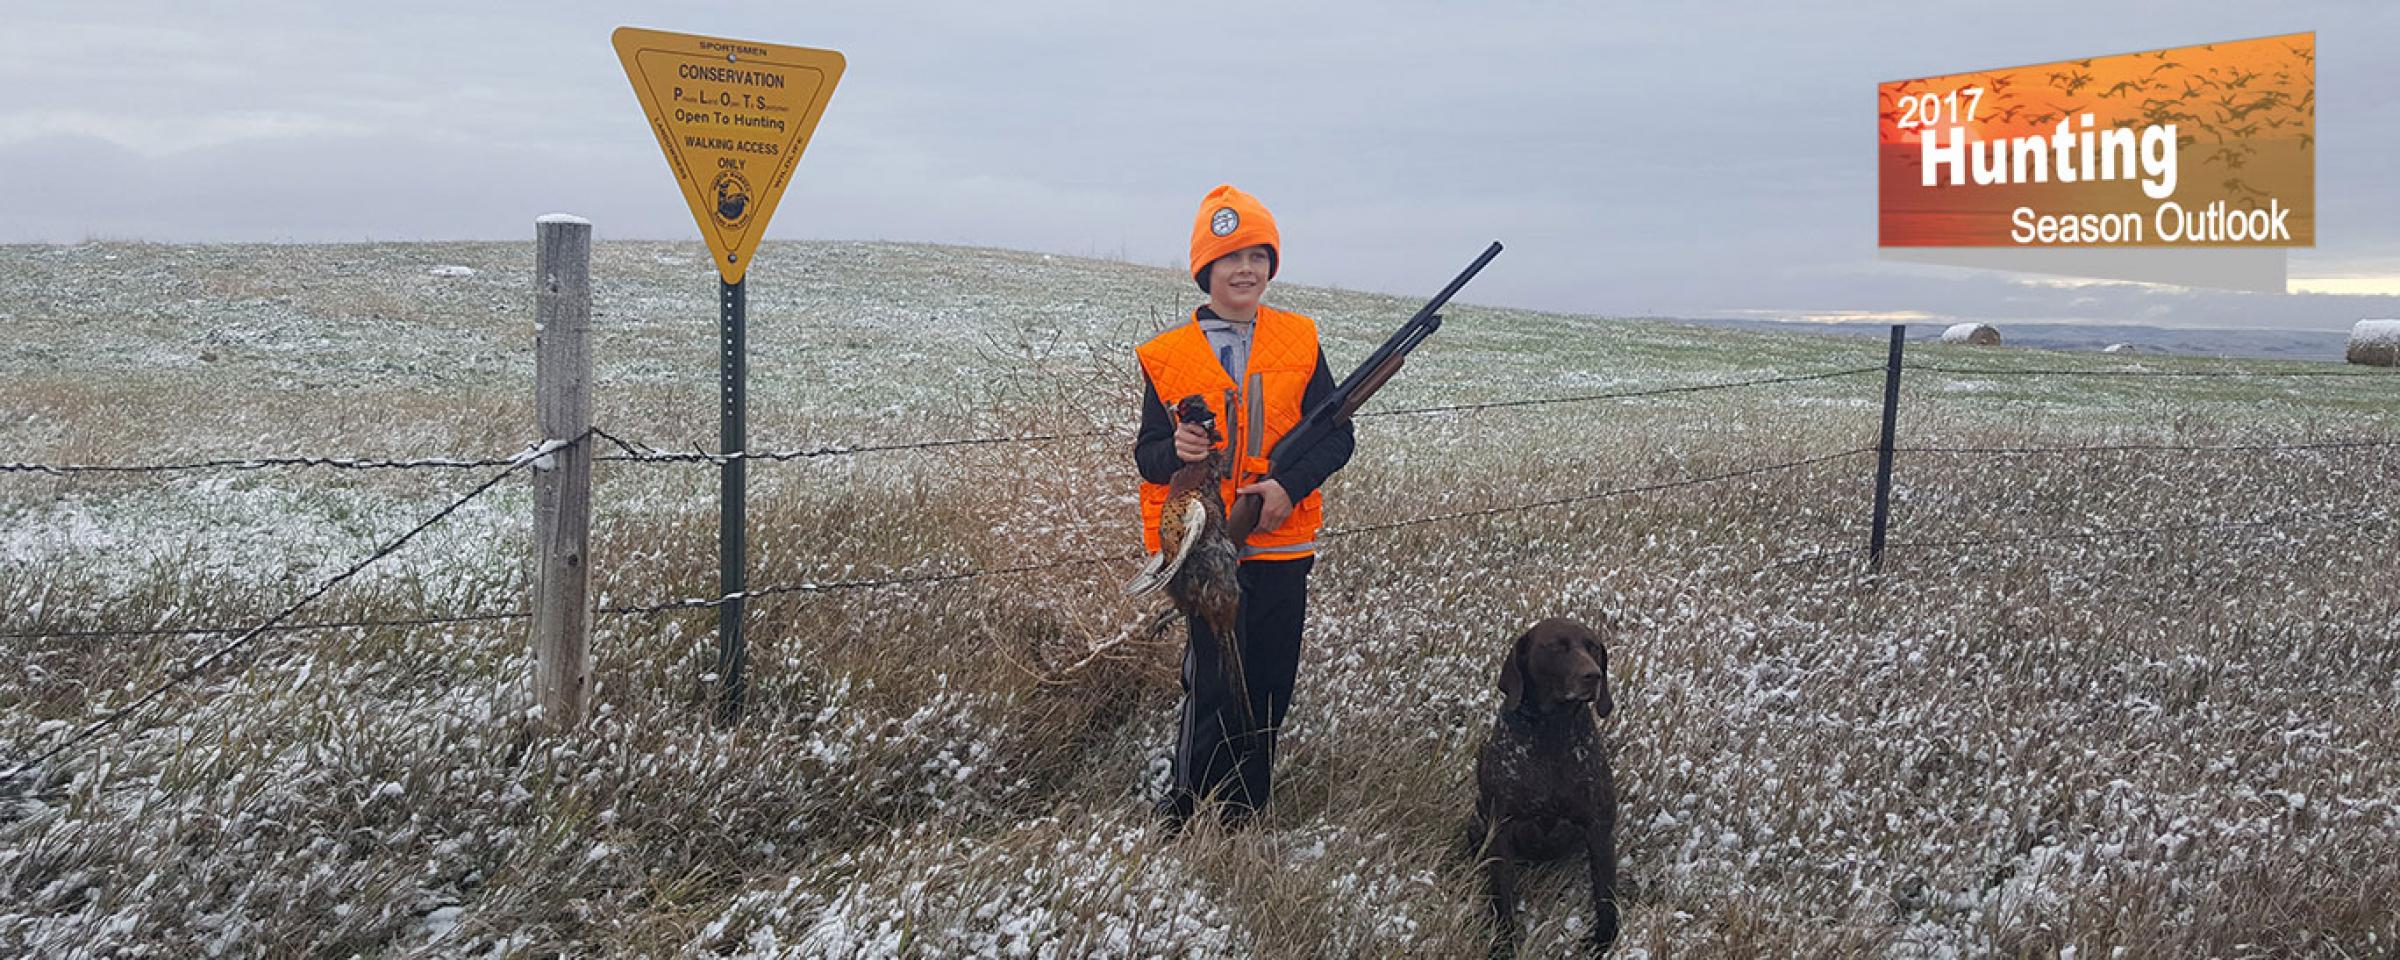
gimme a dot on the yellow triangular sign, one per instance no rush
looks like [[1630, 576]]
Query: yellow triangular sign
[[733, 116]]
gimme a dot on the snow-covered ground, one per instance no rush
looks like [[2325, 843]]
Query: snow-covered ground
[[2165, 730]]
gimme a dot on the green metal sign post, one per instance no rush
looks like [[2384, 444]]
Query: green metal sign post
[[732, 440], [732, 117]]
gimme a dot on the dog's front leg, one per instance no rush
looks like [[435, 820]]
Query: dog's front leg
[[1600, 845], [1501, 876]]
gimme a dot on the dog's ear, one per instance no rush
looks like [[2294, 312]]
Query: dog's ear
[[1512, 674]]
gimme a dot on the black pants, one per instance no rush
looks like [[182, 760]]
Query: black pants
[[1216, 754]]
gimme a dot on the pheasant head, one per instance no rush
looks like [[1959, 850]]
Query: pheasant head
[[1192, 409]]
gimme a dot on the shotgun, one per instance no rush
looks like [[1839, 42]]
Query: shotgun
[[1337, 407]]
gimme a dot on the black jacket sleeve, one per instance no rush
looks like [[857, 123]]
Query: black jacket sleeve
[[1154, 447], [1309, 471]]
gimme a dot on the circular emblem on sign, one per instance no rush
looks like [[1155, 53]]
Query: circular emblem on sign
[[1225, 222], [733, 199]]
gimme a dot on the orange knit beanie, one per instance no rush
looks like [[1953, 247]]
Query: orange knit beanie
[[1231, 220]]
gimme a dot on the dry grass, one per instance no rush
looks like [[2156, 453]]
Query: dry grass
[[2171, 745]]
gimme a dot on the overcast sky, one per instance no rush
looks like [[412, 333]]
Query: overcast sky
[[1711, 161]]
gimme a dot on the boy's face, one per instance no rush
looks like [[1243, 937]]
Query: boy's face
[[1237, 280]]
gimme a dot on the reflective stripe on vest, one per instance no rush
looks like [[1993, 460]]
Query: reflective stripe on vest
[[1283, 356], [1287, 552]]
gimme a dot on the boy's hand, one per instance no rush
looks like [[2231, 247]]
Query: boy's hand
[[1274, 505], [1191, 443]]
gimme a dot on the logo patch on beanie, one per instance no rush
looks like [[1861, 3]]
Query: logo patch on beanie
[[1225, 222]]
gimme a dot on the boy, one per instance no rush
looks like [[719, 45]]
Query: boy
[[1271, 361]]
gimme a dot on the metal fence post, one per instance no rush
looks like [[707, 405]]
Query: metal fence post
[[1883, 447], [562, 492], [732, 438]]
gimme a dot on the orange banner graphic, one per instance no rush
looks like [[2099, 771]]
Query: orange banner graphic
[[2211, 145]]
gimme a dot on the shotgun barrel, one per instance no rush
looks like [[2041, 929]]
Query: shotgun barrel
[[1337, 407]]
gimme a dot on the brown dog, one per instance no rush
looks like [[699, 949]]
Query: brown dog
[[1543, 787]]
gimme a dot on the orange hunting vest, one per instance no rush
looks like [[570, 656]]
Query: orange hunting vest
[[1283, 355]]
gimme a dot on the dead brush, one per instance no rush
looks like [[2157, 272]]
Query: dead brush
[[2178, 743]]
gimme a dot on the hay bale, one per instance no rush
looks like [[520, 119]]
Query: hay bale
[[1972, 334], [2375, 343]]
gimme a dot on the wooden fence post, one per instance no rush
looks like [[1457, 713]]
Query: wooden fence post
[[562, 492]]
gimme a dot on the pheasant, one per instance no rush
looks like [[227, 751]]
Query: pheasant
[[1196, 560]]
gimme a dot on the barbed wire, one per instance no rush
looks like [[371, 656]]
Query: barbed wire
[[2058, 372], [259, 463], [1597, 495], [953, 576], [917, 579], [644, 453], [2165, 447], [1807, 559], [1620, 395], [2117, 532], [702, 603], [2255, 523], [639, 610], [279, 628], [531, 456], [653, 454], [632, 452]]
